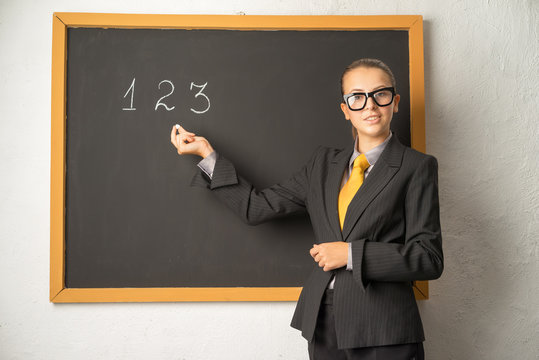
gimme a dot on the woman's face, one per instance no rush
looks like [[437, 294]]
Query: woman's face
[[372, 121]]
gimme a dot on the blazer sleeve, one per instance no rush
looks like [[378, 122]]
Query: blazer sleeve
[[421, 256], [255, 206]]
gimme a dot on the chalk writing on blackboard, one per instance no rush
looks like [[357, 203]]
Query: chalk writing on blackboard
[[200, 93], [161, 102], [132, 90]]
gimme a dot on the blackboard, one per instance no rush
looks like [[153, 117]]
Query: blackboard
[[265, 99]]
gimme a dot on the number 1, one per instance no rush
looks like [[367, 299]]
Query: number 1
[[132, 89]]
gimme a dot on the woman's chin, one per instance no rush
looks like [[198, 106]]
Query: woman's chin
[[373, 131]]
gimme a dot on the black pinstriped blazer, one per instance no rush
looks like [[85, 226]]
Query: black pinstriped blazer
[[393, 223]]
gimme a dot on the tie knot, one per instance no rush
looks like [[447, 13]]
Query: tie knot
[[361, 162]]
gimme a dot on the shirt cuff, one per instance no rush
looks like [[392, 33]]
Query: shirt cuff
[[349, 264], [208, 164]]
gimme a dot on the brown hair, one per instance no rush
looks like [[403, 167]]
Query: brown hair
[[368, 63]]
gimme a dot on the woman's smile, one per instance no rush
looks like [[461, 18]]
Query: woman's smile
[[372, 119]]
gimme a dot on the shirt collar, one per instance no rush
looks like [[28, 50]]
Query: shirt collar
[[373, 154]]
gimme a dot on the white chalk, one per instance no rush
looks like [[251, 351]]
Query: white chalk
[[177, 126]]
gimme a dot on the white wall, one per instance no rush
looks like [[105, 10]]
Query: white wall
[[481, 66]]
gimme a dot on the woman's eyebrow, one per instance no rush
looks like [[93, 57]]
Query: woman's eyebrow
[[376, 88]]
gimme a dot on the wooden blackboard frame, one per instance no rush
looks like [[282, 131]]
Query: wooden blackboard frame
[[60, 24]]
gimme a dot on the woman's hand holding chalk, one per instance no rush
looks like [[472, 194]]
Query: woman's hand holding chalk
[[187, 142]]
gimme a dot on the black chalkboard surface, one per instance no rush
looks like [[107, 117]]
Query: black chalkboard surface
[[264, 99]]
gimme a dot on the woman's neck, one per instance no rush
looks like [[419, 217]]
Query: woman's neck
[[365, 143]]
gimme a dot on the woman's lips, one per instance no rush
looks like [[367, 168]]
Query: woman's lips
[[372, 118]]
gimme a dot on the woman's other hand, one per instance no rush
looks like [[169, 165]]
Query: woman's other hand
[[187, 142], [331, 255]]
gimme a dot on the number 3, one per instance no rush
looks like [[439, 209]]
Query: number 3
[[200, 93]]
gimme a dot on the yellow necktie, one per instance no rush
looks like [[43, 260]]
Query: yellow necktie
[[352, 185]]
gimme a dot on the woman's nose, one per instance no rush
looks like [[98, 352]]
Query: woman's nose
[[371, 104]]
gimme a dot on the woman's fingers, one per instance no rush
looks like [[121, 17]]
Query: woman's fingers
[[314, 250], [187, 142], [332, 255], [173, 138], [321, 260], [181, 129], [179, 137], [178, 129], [185, 138]]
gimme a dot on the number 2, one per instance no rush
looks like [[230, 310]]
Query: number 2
[[159, 103]]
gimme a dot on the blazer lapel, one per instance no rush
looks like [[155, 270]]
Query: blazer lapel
[[335, 173], [383, 171]]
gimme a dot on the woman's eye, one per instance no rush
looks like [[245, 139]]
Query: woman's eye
[[382, 94], [358, 97]]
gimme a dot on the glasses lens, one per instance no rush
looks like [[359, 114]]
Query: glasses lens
[[357, 101], [384, 97]]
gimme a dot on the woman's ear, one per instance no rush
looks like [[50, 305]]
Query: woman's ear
[[396, 101], [344, 109]]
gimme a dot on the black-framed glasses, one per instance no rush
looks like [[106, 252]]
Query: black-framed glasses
[[357, 100]]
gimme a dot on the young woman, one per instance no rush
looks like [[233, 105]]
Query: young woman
[[374, 210]]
